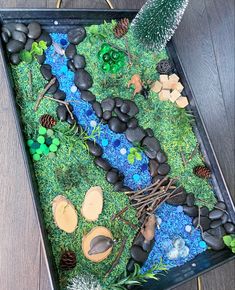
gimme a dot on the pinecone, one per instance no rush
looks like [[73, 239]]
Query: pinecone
[[121, 28], [202, 172], [47, 121], [68, 260], [164, 67]]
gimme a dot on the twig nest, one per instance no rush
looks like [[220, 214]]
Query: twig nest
[[65, 214], [93, 204], [86, 244]]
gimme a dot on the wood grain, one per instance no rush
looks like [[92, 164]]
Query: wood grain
[[205, 44]]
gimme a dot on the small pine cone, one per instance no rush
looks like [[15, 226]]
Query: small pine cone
[[47, 121], [202, 172], [164, 67], [121, 28], [68, 260]]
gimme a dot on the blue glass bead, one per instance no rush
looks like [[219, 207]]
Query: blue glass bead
[[116, 143], [105, 142], [144, 167], [64, 69], [63, 41], [202, 244], [136, 177], [89, 112], [179, 208]]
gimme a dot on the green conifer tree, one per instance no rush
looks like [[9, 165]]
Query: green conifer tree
[[156, 22]]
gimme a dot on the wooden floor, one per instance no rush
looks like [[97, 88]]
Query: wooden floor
[[205, 44]]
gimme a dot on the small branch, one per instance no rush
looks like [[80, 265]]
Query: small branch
[[128, 50], [183, 158], [194, 152], [119, 213], [117, 47], [110, 4], [134, 227], [41, 95], [30, 82], [116, 261]]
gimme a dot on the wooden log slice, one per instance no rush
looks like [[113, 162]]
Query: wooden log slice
[[97, 231]]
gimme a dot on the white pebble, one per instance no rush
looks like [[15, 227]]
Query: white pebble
[[194, 264], [159, 220], [184, 252], [123, 151], [56, 22], [93, 123], [173, 254], [73, 89], [188, 229]]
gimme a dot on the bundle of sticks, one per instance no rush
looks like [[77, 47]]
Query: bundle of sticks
[[147, 200]]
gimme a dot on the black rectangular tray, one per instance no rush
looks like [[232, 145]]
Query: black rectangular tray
[[51, 20]]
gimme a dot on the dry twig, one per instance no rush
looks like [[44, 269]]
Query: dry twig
[[41, 95]]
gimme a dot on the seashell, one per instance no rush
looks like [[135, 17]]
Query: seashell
[[100, 244], [65, 214], [58, 48]]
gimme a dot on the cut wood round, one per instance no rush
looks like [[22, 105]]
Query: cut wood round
[[65, 214], [93, 204], [97, 231]]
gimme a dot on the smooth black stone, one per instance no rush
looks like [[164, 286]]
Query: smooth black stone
[[204, 222], [34, 30], [149, 132], [204, 211], [83, 79], [102, 163], [21, 27], [118, 186], [123, 117], [112, 176], [5, 37], [132, 123], [224, 218], [160, 177], [135, 135], [41, 58], [9, 28], [53, 88], [62, 113], [14, 46], [221, 205], [125, 108], [76, 35], [133, 108], [131, 265], [59, 95], [20, 36], [118, 102], [71, 121], [161, 157], [94, 148], [190, 210], [215, 243], [138, 254], [215, 224], [45, 70], [152, 146], [229, 228], [107, 115], [87, 96], [97, 108], [138, 240], [108, 104], [153, 167], [164, 169], [217, 232], [215, 214], [79, 61], [190, 199], [45, 36], [116, 125], [70, 51], [177, 200], [15, 58], [148, 246], [125, 189], [71, 66], [28, 44]]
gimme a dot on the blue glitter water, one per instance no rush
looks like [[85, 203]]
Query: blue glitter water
[[173, 228], [111, 142], [116, 148]]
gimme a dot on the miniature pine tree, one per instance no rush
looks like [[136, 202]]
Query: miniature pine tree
[[157, 21]]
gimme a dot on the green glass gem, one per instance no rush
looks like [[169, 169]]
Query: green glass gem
[[41, 139], [114, 68], [32, 151], [30, 142], [36, 157], [106, 57], [35, 145], [105, 47], [42, 130], [46, 151], [121, 63], [115, 55], [43, 147], [39, 151], [106, 67], [100, 55], [48, 141], [121, 55], [51, 155], [56, 141], [50, 132], [53, 148]]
